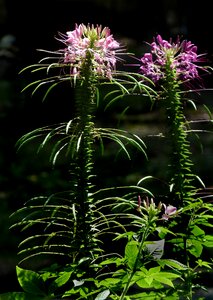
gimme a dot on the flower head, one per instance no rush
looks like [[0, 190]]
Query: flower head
[[179, 56], [96, 42], [148, 207], [170, 211]]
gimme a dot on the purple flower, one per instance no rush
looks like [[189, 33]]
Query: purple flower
[[95, 41], [180, 56], [170, 211]]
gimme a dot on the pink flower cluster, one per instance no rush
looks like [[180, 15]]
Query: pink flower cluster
[[98, 42], [152, 210], [180, 56]]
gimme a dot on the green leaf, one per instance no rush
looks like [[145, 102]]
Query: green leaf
[[197, 231], [84, 292], [174, 264], [195, 247], [110, 282], [161, 277], [208, 241], [208, 111], [162, 231], [49, 89], [113, 260], [192, 103], [153, 277], [149, 280], [148, 296], [205, 264], [30, 281], [21, 296], [62, 279], [131, 253], [144, 284], [103, 295]]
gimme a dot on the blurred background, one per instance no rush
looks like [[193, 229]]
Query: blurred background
[[29, 25]]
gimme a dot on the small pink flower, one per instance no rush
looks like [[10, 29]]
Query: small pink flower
[[170, 211]]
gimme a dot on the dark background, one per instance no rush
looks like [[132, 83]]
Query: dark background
[[29, 25]]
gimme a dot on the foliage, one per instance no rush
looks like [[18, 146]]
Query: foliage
[[162, 243]]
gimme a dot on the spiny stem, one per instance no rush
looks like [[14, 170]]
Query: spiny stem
[[181, 175], [85, 95], [181, 163]]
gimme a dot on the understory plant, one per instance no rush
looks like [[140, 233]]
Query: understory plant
[[120, 242]]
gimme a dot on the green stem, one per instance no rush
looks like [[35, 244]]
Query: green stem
[[85, 95], [181, 176], [143, 239]]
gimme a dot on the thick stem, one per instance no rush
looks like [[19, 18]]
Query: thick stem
[[85, 95], [181, 164]]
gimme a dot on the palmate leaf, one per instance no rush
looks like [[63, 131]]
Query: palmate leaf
[[113, 100], [39, 132], [115, 204], [28, 138], [48, 250], [45, 212], [46, 237], [129, 192], [38, 67], [41, 82], [123, 138], [154, 276], [112, 224], [111, 215], [49, 89], [60, 136], [128, 84], [50, 253], [66, 138], [51, 223], [117, 213], [50, 80]]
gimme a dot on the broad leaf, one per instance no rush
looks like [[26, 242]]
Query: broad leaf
[[162, 278], [62, 279], [195, 247], [174, 264], [131, 253], [30, 281], [208, 241]]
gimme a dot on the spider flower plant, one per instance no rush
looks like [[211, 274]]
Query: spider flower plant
[[177, 70], [89, 56], [175, 67]]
